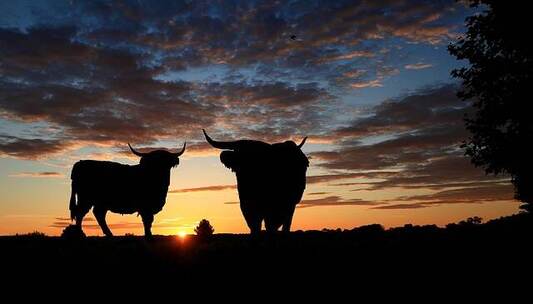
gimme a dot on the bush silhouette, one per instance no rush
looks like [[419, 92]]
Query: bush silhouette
[[72, 232], [476, 220], [204, 230], [35, 234]]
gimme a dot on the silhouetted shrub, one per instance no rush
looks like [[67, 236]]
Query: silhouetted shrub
[[34, 234], [204, 230], [476, 220], [72, 232], [372, 228]]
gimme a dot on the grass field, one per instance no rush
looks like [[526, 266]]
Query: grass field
[[465, 249]]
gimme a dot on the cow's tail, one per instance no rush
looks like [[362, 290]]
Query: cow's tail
[[73, 191], [72, 206]]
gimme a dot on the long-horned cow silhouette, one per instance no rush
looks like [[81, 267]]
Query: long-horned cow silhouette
[[119, 188], [270, 179]]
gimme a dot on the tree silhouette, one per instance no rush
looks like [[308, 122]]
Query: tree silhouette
[[498, 81], [471, 221], [204, 230], [73, 232]]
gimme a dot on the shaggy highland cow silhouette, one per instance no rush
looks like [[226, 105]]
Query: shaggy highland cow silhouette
[[110, 186], [270, 179]]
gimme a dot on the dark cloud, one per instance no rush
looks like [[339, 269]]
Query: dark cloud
[[277, 94], [271, 112], [419, 148], [468, 195], [95, 71], [107, 96], [99, 75], [316, 179], [313, 179], [433, 107], [495, 192], [418, 130], [335, 201], [33, 148], [94, 94]]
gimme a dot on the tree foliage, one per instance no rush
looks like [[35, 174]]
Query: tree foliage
[[497, 80], [204, 230]]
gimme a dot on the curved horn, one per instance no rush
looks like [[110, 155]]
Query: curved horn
[[302, 143], [136, 152], [178, 154], [229, 145]]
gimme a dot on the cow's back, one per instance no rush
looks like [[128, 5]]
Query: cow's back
[[105, 182], [88, 169]]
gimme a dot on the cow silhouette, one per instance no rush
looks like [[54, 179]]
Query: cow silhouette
[[271, 179], [126, 189]]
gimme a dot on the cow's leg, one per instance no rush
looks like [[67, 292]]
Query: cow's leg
[[254, 223], [288, 221], [255, 227], [99, 214], [148, 219], [272, 224], [81, 210], [253, 219]]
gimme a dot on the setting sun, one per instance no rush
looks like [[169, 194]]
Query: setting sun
[[182, 234]]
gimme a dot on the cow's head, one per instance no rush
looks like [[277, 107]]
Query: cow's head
[[159, 158], [253, 155]]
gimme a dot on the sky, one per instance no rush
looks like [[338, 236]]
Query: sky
[[367, 81]]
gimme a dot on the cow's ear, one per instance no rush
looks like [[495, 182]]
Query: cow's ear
[[230, 159]]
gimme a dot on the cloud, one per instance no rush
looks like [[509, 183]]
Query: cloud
[[98, 95], [120, 225], [376, 83], [475, 194], [317, 193], [348, 55], [90, 223], [45, 174], [313, 179], [316, 179], [418, 66], [497, 192], [383, 71], [419, 147], [92, 94], [96, 71], [30, 148], [108, 73], [202, 189], [66, 219], [332, 200], [335, 201], [422, 110]]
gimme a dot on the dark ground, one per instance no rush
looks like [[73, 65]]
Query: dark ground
[[499, 250]]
